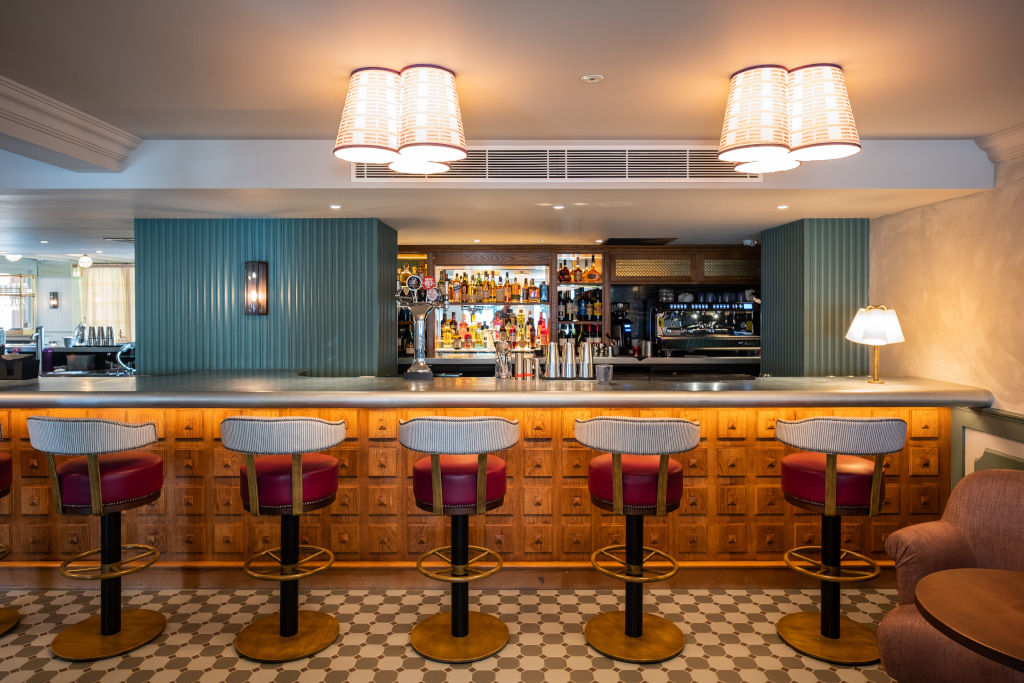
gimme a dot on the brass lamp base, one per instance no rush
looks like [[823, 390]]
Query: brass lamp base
[[661, 639], [9, 618], [83, 642], [261, 641], [433, 638], [857, 644]]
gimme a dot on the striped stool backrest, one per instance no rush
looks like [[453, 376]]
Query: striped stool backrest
[[458, 435], [87, 435], [844, 435], [279, 435], [638, 435]]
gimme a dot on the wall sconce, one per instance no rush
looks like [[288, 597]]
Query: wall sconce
[[875, 326], [76, 270], [256, 287], [53, 299]]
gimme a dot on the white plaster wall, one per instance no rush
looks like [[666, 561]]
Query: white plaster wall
[[954, 273]]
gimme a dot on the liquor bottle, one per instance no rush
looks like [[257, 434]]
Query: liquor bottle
[[543, 292], [590, 308], [533, 293], [592, 274], [517, 291], [456, 287], [542, 330], [577, 272], [561, 307], [508, 289], [404, 276], [478, 337], [463, 326], [598, 308], [564, 275], [492, 289], [520, 319], [581, 307]]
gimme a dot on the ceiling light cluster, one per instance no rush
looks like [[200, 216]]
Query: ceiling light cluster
[[409, 120], [776, 118]]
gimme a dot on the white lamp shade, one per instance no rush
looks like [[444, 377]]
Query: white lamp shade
[[756, 125], [875, 326], [85, 261], [821, 124], [406, 164], [782, 163], [12, 257], [431, 122], [369, 131]]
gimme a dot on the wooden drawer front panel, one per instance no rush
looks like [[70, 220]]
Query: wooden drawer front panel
[[501, 538], [691, 540], [228, 538], [732, 462], [732, 424], [536, 500], [381, 424], [425, 537], [226, 463], [924, 423], [732, 538], [695, 462], [73, 539], [575, 539], [347, 501], [188, 424], [694, 501], [891, 504], [769, 500], [5, 507], [150, 534], [732, 500], [766, 422], [770, 538], [33, 463], [227, 500], [851, 537], [880, 531], [35, 500], [382, 500], [158, 506], [658, 536], [348, 462], [806, 534], [309, 534], [187, 462], [5, 425], [383, 462], [611, 534], [575, 462], [768, 462], [538, 463], [383, 539], [264, 536], [190, 539], [575, 500], [537, 539], [569, 418], [924, 499], [924, 461], [536, 424], [34, 539], [891, 464], [345, 539], [188, 500]]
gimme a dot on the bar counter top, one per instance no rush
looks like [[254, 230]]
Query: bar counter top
[[287, 389]]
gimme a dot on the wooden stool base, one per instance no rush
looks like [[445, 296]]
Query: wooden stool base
[[856, 644], [83, 642], [9, 618], [261, 640], [433, 639], [661, 639]]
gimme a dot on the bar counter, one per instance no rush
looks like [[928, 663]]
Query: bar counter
[[733, 516]]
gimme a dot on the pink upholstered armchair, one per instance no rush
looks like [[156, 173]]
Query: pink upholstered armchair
[[982, 526]]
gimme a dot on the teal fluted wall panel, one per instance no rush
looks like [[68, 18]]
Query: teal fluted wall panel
[[814, 278], [327, 311]]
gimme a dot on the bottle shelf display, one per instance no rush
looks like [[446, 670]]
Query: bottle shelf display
[[488, 303], [580, 306]]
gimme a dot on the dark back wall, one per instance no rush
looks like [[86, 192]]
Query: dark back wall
[[330, 305]]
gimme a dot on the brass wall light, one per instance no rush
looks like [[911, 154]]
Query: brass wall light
[[256, 287], [53, 300]]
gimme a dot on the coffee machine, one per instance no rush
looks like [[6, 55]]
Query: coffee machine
[[622, 327]]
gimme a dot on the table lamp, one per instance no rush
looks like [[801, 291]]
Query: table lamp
[[875, 326]]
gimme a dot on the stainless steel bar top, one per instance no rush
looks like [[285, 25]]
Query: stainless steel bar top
[[284, 389]]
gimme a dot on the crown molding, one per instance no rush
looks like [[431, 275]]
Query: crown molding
[[42, 128], [1006, 144]]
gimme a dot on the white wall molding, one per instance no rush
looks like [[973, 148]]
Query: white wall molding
[[42, 128], [1006, 144]]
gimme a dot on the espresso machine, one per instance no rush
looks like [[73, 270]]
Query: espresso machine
[[622, 328]]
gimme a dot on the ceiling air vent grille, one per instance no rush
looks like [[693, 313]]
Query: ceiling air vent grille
[[681, 164]]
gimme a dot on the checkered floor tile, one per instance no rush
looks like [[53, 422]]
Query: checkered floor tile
[[730, 638]]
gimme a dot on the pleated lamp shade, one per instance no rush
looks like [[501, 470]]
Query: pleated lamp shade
[[431, 121], [369, 131], [821, 122], [875, 326], [756, 126]]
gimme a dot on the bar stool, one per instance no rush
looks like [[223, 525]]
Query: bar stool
[[835, 483], [290, 478], [466, 481], [9, 618], [626, 481], [110, 475]]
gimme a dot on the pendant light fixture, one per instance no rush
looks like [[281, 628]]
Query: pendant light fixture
[[820, 117], [756, 125], [85, 261], [369, 123], [410, 120]]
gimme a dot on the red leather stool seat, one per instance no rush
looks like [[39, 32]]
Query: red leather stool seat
[[124, 477], [458, 480], [274, 480], [639, 480], [803, 481], [6, 471]]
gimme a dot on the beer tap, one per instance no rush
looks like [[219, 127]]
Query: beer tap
[[409, 299]]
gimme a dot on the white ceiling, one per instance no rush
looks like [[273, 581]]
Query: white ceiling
[[271, 70]]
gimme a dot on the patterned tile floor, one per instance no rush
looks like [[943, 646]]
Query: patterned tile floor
[[730, 638]]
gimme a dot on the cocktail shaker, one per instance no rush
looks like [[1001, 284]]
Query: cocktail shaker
[[586, 362], [569, 369], [552, 360]]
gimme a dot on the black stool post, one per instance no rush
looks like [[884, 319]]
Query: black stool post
[[110, 589], [830, 554], [289, 589], [634, 591], [460, 591]]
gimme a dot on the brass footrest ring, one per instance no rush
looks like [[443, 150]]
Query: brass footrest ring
[[282, 572], [639, 573], [815, 568], [453, 573], [94, 572]]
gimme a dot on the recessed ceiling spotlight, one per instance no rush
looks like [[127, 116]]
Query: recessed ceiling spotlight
[[782, 206], [44, 241], [557, 207], [592, 79], [99, 251], [599, 241], [476, 240], [335, 206], [544, 204]]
